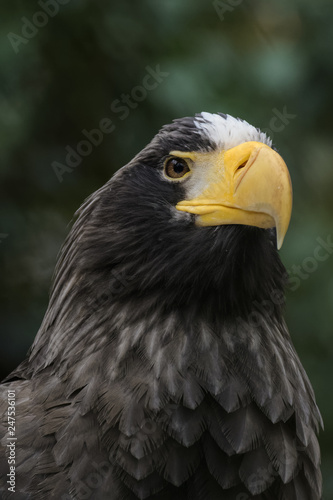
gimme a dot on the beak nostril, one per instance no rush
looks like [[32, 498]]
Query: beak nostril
[[242, 165]]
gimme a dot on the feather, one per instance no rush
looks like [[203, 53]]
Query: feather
[[256, 471], [281, 447], [223, 468], [235, 394], [204, 486], [244, 428], [186, 426], [181, 463]]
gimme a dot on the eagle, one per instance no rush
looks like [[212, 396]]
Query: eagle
[[163, 368]]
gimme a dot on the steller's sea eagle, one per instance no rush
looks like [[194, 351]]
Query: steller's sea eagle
[[163, 368]]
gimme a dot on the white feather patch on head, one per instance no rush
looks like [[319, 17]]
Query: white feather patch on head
[[228, 132]]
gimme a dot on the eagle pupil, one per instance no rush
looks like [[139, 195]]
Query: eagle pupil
[[178, 167]]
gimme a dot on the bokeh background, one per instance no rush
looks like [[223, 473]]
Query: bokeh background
[[269, 62]]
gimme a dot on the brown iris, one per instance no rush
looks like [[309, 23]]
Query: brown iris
[[176, 168]]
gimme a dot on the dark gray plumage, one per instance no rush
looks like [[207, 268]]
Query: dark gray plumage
[[157, 372]]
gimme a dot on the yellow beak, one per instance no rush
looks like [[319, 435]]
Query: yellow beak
[[248, 184]]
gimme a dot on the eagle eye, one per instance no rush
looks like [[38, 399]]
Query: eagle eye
[[176, 168]]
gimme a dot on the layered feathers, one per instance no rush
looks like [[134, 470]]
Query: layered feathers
[[163, 367]]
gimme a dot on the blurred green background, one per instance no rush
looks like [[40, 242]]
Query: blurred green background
[[269, 62]]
